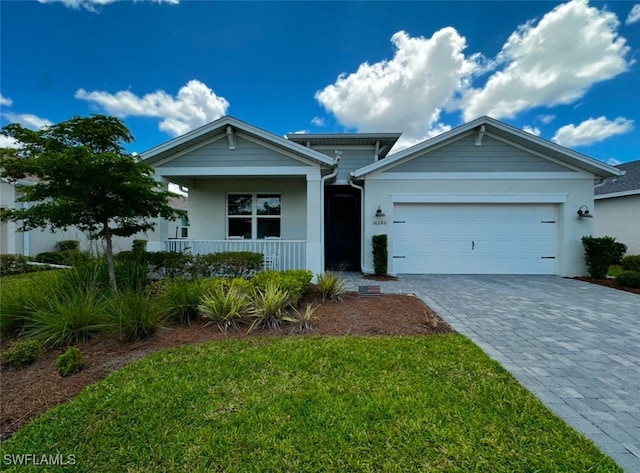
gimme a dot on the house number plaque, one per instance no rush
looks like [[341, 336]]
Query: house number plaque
[[379, 222]]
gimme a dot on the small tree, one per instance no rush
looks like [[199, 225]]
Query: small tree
[[84, 178]]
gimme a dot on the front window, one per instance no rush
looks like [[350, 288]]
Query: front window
[[184, 227], [253, 216]]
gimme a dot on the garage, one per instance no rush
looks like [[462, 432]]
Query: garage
[[465, 238]]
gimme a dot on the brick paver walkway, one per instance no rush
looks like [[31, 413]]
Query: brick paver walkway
[[573, 344]]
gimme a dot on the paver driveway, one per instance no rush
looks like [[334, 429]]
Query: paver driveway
[[573, 344]]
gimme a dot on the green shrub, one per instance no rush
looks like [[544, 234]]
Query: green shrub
[[131, 315], [180, 299], [631, 263], [599, 254], [51, 257], [169, 264], [139, 247], [380, 254], [225, 306], [629, 279], [71, 319], [295, 282], [70, 362], [242, 284], [331, 286], [269, 307], [23, 353], [68, 245], [13, 264], [619, 249], [231, 264], [65, 257]]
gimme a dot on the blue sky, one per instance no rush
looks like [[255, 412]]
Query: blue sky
[[567, 72]]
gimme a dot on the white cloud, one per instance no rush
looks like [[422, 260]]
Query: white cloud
[[299, 132], [193, 106], [634, 15], [613, 161], [406, 93], [317, 121], [552, 62], [591, 131], [533, 130], [92, 4], [546, 119], [28, 120], [5, 101]]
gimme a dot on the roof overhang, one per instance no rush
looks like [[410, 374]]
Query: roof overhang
[[383, 142], [181, 143], [492, 127]]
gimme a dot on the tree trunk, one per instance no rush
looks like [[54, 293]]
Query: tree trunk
[[111, 268]]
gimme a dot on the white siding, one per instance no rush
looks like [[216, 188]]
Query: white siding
[[246, 154], [464, 156], [619, 217]]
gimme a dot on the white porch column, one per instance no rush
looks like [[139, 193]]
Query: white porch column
[[156, 237], [314, 224]]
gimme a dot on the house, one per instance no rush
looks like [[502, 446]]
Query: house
[[617, 207], [37, 241], [481, 198]]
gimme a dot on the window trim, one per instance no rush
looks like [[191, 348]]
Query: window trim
[[254, 213]]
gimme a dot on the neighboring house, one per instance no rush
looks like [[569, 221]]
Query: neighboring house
[[482, 198], [617, 207], [38, 241]]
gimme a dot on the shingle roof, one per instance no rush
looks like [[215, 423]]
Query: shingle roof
[[626, 183]]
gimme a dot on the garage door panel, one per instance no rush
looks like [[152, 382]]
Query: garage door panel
[[474, 238]]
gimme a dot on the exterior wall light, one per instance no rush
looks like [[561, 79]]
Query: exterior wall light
[[379, 213], [583, 212]]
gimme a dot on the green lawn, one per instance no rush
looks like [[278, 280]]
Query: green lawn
[[395, 404]]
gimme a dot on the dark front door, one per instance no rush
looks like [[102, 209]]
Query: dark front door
[[342, 228]]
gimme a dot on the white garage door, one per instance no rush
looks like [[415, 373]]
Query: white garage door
[[474, 238]]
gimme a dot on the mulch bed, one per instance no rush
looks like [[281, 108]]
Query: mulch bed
[[609, 283], [28, 392]]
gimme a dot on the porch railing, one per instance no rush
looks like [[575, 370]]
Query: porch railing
[[278, 254]]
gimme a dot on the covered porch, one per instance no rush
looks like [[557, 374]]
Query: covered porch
[[278, 254], [249, 190]]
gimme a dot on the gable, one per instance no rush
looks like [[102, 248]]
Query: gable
[[248, 152], [492, 155]]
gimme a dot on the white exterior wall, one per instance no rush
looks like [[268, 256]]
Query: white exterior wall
[[619, 217], [38, 241], [576, 189]]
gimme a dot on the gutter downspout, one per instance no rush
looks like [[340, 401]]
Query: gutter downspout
[[361, 189], [324, 179]]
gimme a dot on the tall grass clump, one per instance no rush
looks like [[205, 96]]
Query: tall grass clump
[[305, 317], [331, 286], [70, 319], [180, 298], [269, 307], [225, 306], [23, 294], [132, 315]]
